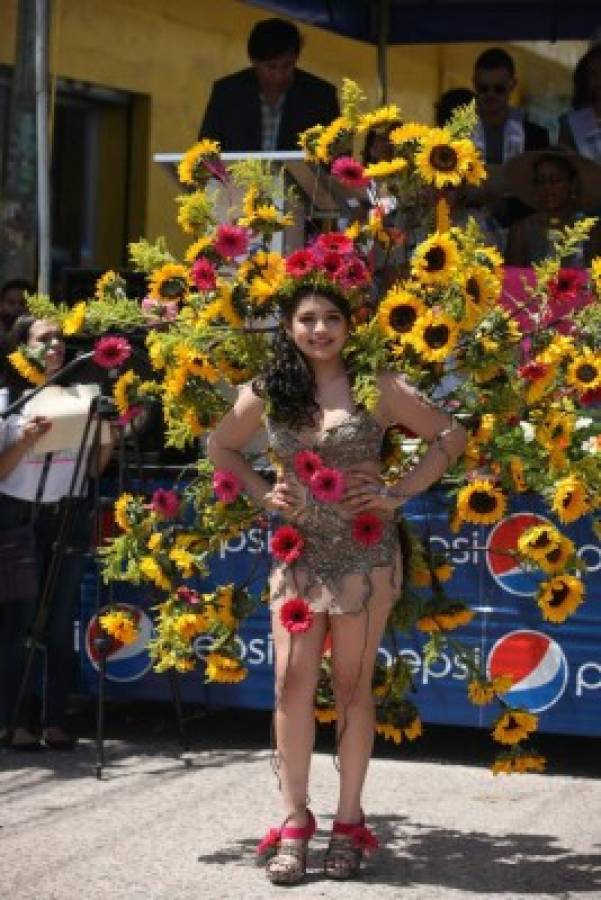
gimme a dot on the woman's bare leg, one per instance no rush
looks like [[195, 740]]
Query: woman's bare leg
[[297, 660], [355, 642]]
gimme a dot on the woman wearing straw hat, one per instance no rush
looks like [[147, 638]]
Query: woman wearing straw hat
[[561, 187]]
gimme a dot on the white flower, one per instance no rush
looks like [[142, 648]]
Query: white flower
[[583, 422], [591, 445], [527, 431]]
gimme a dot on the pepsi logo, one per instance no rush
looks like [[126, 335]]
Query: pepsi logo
[[502, 561], [537, 665], [123, 662]]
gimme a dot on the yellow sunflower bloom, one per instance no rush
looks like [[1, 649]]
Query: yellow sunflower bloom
[[75, 319], [119, 625], [190, 625], [151, 570], [442, 161], [559, 597], [120, 512], [198, 248], [405, 134], [191, 169], [224, 669], [435, 260], [513, 726], [228, 310], [538, 387], [121, 390], [435, 336], [481, 291], [584, 372], [481, 502], [170, 282], [398, 313], [154, 541], [325, 714], [25, 368], [385, 115], [480, 693], [225, 607], [537, 542], [519, 763], [557, 558], [570, 500], [596, 274], [332, 139], [184, 561], [385, 169]]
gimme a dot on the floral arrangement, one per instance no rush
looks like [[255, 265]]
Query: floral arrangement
[[524, 398]]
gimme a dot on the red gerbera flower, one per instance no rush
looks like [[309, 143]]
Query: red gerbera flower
[[328, 485], [532, 371], [231, 241], [567, 284], [331, 263], [287, 544], [349, 172], [165, 503], [226, 485], [353, 274], [300, 263], [367, 529], [111, 351], [306, 463], [591, 398], [204, 275], [296, 615], [334, 242]]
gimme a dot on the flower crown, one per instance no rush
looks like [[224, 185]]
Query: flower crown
[[331, 263]]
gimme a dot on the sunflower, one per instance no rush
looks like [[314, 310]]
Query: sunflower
[[75, 319], [189, 625], [192, 168], [198, 248], [121, 390], [398, 313], [538, 541], [513, 726], [540, 377], [441, 161], [385, 168], [519, 762], [481, 692], [435, 336], [170, 282], [476, 170], [184, 560], [120, 512], [481, 290], [325, 714], [481, 502], [584, 372], [435, 260], [224, 611], [385, 115], [408, 133], [447, 618], [558, 557], [332, 139], [491, 259], [227, 308], [224, 669], [26, 368], [119, 624], [570, 500], [555, 432], [559, 597], [596, 274], [151, 570]]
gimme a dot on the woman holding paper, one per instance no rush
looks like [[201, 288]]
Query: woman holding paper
[[33, 487]]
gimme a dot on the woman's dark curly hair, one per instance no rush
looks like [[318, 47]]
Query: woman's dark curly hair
[[288, 383]]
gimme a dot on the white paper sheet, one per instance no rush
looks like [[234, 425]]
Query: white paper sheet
[[67, 408]]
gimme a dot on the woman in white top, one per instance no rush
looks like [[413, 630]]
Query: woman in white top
[[22, 470]]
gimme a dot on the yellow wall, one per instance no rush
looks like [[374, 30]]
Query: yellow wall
[[172, 50]]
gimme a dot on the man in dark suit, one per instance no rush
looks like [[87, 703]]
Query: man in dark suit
[[265, 106]]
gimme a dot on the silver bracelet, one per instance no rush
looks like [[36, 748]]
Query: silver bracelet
[[386, 491]]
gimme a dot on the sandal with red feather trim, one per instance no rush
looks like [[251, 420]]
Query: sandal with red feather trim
[[285, 849], [348, 845]]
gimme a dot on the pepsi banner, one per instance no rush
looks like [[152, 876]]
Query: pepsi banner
[[556, 668]]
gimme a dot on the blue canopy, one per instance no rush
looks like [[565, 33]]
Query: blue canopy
[[446, 21]]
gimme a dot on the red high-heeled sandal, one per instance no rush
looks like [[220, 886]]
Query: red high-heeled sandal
[[285, 849], [348, 845]]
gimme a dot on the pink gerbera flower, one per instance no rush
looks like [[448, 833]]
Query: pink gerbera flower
[[188, 596], [204, 275], [287, 544], [111, 351], [226, 485], [328, 485], [232, 241], [300, 263], [353, 274], [165, 503], [367, 529], [334, 242], [296, 615], [349, 172], [306, 463]]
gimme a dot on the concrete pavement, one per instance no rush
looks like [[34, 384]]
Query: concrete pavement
[[163, 827]]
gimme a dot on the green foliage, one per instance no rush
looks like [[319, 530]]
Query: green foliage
[[146, 256]]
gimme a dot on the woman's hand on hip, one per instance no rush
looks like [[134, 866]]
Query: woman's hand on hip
[[367, 492], [286, 497]]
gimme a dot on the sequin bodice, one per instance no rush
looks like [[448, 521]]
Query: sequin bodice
[[355, 439]]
